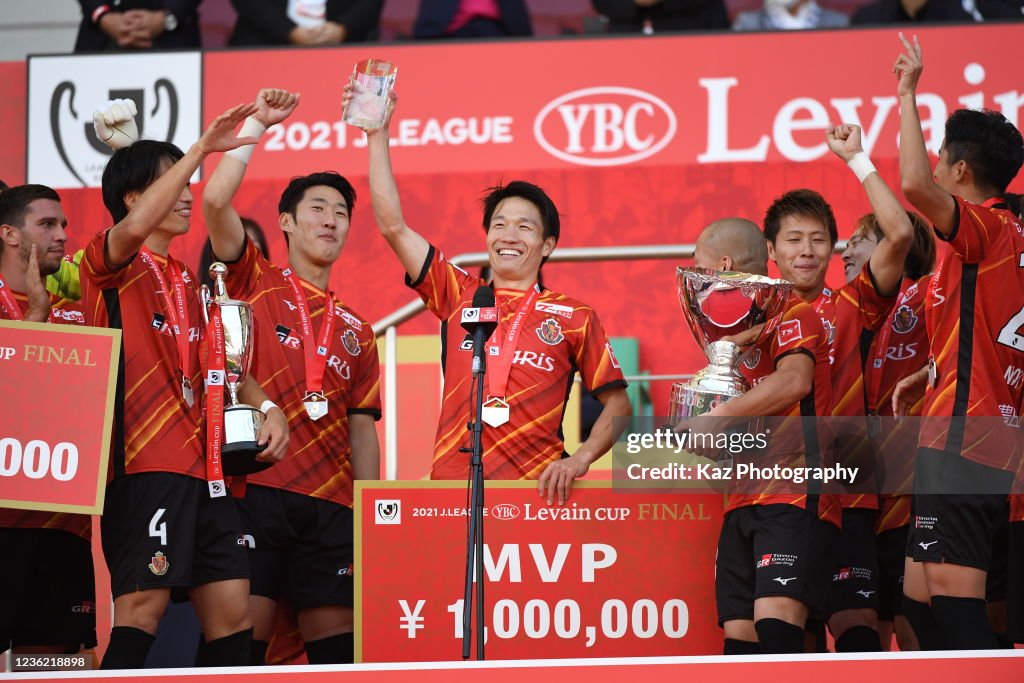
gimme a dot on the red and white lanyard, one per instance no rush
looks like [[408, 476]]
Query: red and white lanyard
[[177, 310], [316, 355], [508, 340], [11, 305], [216, 372]]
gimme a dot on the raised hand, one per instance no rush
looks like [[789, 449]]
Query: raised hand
[[908, 67], [274, 106], [844, 141], [115, 124], [220, 135]]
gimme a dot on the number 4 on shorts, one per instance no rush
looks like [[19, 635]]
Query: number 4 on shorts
[[158, 529]]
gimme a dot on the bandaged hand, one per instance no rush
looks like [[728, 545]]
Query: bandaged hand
[[115, 123]]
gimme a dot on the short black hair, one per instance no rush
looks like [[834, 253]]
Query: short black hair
[[532, 193], [133, 169], [805, 203], [296, 190], [14, 203], [991, 146]]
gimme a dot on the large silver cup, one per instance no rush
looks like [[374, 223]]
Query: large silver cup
[[242, 423], [729, 313]]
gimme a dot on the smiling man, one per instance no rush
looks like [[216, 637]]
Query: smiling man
[[542, 339]]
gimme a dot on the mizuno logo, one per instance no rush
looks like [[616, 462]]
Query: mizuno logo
[[782, 580], [925, 545], [866, 594]]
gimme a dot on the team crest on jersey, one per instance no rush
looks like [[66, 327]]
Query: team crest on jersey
[[904, 320], [830, 331], [351, 342], [550, 332], [159, 564], [752, 359]]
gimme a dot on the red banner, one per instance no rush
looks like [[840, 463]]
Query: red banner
[[503, 107], [59, 372], [608, 575]]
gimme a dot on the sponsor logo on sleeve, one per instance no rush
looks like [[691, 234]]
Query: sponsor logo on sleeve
[[789, 332], [554, 309]]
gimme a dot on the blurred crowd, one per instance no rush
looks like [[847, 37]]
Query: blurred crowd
[[142, 24]]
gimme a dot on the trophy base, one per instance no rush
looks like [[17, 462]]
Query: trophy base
[[242, 426], [688, 401]]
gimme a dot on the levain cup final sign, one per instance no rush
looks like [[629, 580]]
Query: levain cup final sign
[[57, 406]]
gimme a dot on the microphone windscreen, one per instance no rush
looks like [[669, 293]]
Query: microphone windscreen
[[483, 297]]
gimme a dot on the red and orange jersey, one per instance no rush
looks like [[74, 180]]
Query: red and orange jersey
[[899, 349], [63, 312], [975, 321], [795, 438], [559, 337], [851, 315], [318, 463], [155, 430]]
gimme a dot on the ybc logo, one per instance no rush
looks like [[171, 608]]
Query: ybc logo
[[64, 91], [605, 126], [505, 511]]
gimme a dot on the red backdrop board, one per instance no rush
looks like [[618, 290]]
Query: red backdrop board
[[48, 464], [591, 579]]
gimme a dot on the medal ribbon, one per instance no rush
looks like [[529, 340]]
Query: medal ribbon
[[497, 378], [14, 310], [316, 356], [216, 375], [177, 311]]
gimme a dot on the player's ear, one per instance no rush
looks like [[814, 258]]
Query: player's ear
[[9, 235], [771, 250], [286, 222], [131, 199], [548, 246], [727, 263]]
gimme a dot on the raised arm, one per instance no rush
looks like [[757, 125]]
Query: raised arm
[[227, 235], [127, 237], [919, 186], [410, 247], [888, 258]]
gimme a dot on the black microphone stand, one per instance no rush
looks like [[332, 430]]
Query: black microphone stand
[[475, 539]]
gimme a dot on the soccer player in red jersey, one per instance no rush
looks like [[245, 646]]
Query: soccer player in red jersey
[[542, 340], [898, 350], [167, 523], [298, 514], [801, 233], [775, 546], [47, 583], [970, 444]]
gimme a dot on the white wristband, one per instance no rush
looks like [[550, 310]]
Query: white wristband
[[861, 166], [250, 127], [266, 406]]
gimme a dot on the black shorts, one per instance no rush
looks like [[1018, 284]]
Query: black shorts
[[996, 580], [162, 530], [1015, 588], [772, 550], [959, 506], [855, 564], [892, 558], [299, 546], [48, 589]]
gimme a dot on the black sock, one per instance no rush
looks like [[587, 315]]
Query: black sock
[[859, 639], [258, 652], [815, 628], [230, 650], [922, 621], [740, 647], [964, 623], [128, 648], [339, 649], [1003, 641], [778, 637]]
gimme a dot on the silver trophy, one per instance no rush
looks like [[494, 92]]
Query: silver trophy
[[242, 423], [729, 313]]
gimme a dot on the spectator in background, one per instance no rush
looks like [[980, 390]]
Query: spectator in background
[[789, 15], [137, 24], [252, 230], [472, 19], [655, 16], [305, 22], [911, 11]]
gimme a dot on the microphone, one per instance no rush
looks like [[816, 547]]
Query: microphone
[[480, 319]]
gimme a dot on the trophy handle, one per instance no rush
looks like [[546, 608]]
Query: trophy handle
[[204, 301]]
